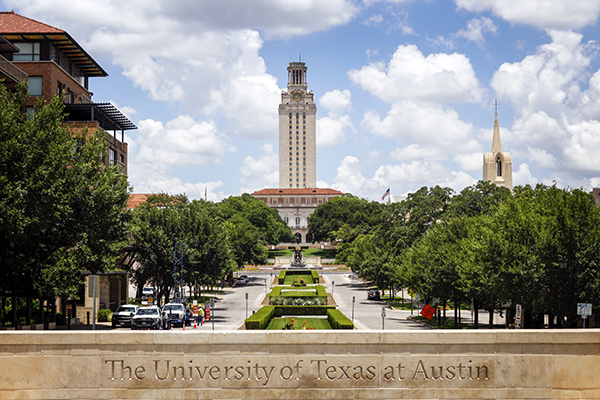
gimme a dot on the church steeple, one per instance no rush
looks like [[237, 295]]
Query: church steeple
[[496, 144], [497, 165]]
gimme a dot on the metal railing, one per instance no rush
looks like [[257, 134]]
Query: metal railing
[[12, 70]]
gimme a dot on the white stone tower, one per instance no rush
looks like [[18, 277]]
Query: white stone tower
[[297, 132], [497, 166]]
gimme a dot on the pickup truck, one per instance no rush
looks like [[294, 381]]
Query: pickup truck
[[175, 314]]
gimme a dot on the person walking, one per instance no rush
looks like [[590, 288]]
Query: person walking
[[201, 315]]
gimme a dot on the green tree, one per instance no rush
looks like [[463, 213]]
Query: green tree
[[344, 218], [160, 223], [270, 227], [478, 199], [61, 209]]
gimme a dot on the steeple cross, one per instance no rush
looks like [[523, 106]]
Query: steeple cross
[[495, 103]]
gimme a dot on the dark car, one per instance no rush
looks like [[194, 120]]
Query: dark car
[[147, 318], [123, 315], [373, 295]]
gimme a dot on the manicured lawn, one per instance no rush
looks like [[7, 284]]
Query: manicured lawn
[[280, 253], [313, 323], [290, 278], [327, 253]]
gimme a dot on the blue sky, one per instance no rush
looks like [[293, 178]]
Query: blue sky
[[404, 89]]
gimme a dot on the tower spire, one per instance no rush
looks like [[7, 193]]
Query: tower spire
[[496, 143]]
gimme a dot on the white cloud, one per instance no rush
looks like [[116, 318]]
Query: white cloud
[[429, 126], [469, 161], [336, 101], [182, 142], [542, 158], [554, 118], [262, 172], [543, 14], [416, 152], [408, 177], [476, 28], [201, 57], [331, 131], [375, 19], [522, 176], [439, 78]]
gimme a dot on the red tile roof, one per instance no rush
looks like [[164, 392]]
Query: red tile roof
[[135, 200], [16, 28], [303, 191], [15, 23]]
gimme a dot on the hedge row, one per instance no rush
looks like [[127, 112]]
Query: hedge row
[[302, 310], [262, 318], [338, 320], [298, 298], [313, 273]]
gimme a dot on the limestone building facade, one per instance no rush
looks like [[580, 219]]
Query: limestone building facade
[[297, 132], [296, 205], [497, 165]]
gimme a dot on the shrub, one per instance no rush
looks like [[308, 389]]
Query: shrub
[[104, 315], [281, 278], [315, 276], [261, 318], [338, 320], [302, 310]]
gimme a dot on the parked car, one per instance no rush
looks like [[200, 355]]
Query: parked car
[[241, 280], [174, 314], [124, 314], [147, 318], [373, 294]]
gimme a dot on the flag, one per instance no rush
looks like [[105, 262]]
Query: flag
[[387, 193]]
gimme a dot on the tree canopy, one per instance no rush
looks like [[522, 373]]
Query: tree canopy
[[61, 209]]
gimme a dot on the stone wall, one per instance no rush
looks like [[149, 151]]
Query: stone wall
[[301, 365]]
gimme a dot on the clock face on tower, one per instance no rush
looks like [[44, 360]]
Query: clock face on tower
[[297, 96]]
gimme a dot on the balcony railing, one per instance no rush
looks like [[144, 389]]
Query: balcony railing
[[76, 98], [12, 71]]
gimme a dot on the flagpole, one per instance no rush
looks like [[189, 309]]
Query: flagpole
[[389, 197]]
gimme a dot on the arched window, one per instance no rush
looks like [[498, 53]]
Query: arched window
[[498, 167]]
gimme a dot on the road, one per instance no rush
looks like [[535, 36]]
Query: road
[[232, 307]]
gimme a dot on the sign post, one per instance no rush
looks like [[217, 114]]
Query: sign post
[[353, 300], [212, 308], [518, 316], [585, 310], [383, 318]]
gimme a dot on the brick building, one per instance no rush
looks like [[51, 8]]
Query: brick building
[[53, 63]]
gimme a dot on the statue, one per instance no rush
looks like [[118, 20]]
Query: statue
[[297, 262]]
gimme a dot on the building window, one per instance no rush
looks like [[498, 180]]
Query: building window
[[286, 220], [297, 222], [35, 85], [27, 52], [29, 112], [498, 167]]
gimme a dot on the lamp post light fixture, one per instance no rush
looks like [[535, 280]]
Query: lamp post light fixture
[[563, 266]]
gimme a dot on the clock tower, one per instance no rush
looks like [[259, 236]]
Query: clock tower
[[297, 132]]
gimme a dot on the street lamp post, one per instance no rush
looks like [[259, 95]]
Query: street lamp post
[[353, 300], [563, 266]]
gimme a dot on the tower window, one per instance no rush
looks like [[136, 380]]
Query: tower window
[[498, 167]]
